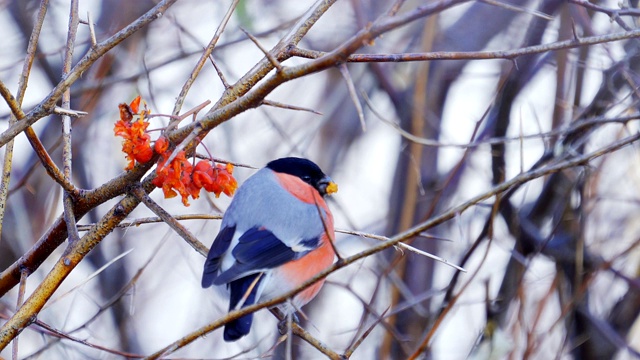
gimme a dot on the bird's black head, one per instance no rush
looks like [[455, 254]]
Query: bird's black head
[[306, 170]]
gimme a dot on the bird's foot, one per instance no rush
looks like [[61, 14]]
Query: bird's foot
[[283, 325]]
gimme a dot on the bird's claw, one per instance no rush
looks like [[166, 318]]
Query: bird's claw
[[283, 325]]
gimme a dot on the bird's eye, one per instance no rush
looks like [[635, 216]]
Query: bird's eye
[[306, 178]]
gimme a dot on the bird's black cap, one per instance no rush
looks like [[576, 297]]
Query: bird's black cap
[[306, 170]]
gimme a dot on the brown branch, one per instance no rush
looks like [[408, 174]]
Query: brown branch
[[330, 236], [255, 95], [231, 104], [11, 101], [476, 55], [21, 290]]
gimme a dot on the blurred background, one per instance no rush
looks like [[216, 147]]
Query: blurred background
[[552, 269]]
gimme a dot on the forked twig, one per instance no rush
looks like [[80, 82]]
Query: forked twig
[[184, 233]]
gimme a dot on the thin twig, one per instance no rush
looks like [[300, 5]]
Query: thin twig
[[154, 220], [344, 71], [573, 128], [203, 59], [15, 105], [186, 143], [356, 344], [88, 278], [50, 330], [614, 14], [223, 79], [402, 245], [49, 165], [290, 107], [476, 55], [276, 64], [298, 331], [329, 232], [608, 11], [518, 9], [185, 234], [69, 216]]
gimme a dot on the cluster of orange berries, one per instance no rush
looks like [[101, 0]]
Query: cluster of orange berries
[[180, 176], [137, 142]]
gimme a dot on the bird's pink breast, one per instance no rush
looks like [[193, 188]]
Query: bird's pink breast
[[300, 189], [294, 273]]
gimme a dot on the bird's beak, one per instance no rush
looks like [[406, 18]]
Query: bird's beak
[[327, 186]]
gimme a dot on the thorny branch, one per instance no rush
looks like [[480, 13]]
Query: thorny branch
[[475, 55], [69, 216]]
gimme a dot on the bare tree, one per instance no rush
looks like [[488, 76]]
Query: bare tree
[[508, 128]]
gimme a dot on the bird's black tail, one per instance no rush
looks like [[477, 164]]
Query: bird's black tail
[[240, 327]]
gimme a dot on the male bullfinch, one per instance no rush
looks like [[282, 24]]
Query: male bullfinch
[[273, 238]]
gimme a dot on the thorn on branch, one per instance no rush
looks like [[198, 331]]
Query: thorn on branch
[[574, 30], [69, 112], [223, 79], [92, 31], [290, 107], [269, 56]]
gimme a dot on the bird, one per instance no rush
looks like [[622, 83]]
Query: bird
[[276, 234]]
